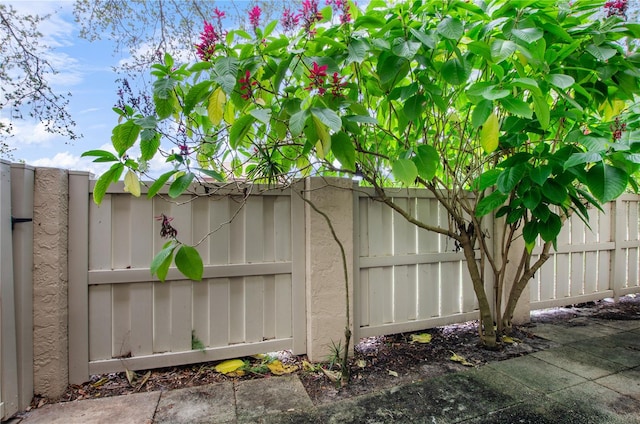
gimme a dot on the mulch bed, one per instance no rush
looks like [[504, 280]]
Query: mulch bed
[[378, 362]]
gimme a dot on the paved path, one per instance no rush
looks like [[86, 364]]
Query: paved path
[[593, 376]]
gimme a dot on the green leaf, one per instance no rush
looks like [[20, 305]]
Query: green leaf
[[164, 106], [549, 230], [405, 171], [357, 51], [502, 49], [428, 40], [328, 117], [531, 198], [323, 141], [489, 134], [426, 160], [488, 204], [455, 72], [481, 113], [240, 129], [297, 122], [580, 158], [105, 180], [601, 53], [124, 136], [189, 262], [561, 81], [211, 173], [180, 184], [530, 232], [606, 182], [517, 107], [554, 191], [540, 174], [195, 95], [262, 115], [344, 150], [161, 262], [487, 179], [101, 156], [450, 28], [541, 108], [149, 146], [159, 183], [405, 48], [528, 35], [509, 178], [414, 106]]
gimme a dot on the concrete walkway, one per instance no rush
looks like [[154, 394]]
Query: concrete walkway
[[593, 376]]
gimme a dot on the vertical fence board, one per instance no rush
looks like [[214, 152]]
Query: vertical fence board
[[469, 301], [364, 297], [200, 227], [590, 272], [219, 244], [283, 306], [269, 229], [236, 310], [604, 271], [141, 305], [401, 304], [100, 234], [282, 223], [577, 274], [428, 290], [254, 230], [562, 275], [269, 307], [427, 211], [162, 317], [254, 309], [219, 303], [200, 312], [121, 331], [181, 315], [100, 322], [237, 232], [450, 288]]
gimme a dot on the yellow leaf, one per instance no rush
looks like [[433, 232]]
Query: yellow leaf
[[229, 366], [489, 133], [361, 363], [457, 358], [131, 183], [510, 340], [260, 101], [229, 113], [323, 145], [331, 375], [216, 109], [100, 382], [393, 373], [611, 110], [278, 368], [421, 338], [308, 366]]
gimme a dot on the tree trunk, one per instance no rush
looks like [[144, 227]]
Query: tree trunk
[[487, 330]]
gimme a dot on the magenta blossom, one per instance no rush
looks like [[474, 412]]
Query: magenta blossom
[[341, 6], [208, 40], [289, 21], [254, 17], [317, 75], [310, 15], [616, 8]]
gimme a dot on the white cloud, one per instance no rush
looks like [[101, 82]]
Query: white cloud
[[66, 160]]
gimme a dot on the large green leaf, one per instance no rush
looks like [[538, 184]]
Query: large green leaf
[[328, 117], [481, 112], [180, 184], [124, 136], [530, 232], [297, 122], [105, 180], [323, 138], [414, 106], [160, 182], [455, 71], [490, 203], [600, 52], [549, 230], [405, 48], [240, 129], [189, 262], [531, 198], [450, 28], [162, 261], [517, 107], [510, 177], [580, 158], [502, 49], [344, 150], [555, 192], [357, 51], [405, 171], [149, 144], [528, 35], [195, 95], [539, 174], [561, 81], [487, 179], [541, 108], [426, 160], [606, 182]]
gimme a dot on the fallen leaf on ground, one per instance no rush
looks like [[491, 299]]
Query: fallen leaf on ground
[[331, 375], [457, 358], [308, 366], [100, 382], [361, 363], [145, 378], [393, 373], [421, 338], [230, 366], [278, 368], [131, 377], [510, 340]]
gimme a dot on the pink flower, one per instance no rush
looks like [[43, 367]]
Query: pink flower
[[254, 17], [310, 15], [336, 85], [341, 6], [208, 39], [289, 21], [317, 76], [246, 85], [616, 8]]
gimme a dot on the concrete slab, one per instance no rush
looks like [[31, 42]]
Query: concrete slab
[[537, 374], [538, 413], [256, 398], [213, 403], [619, 349], [579, 362], [129, 409], [596, 400], [625, 325], [626, 382], [451, 398], [556, 333]]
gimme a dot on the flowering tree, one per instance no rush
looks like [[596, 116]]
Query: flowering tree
[[524, 112]]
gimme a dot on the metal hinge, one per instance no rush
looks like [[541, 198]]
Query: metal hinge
[[15, 221]]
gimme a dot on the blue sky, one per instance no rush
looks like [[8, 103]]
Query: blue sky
[[85, 70]]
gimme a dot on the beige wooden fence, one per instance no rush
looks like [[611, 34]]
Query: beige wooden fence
[[271, 279]]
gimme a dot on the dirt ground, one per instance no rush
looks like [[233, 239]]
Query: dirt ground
[[378, 362]]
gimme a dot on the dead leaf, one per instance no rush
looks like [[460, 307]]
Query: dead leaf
[[230, 367], [393, 373], [100, 382], [510, 340], [457, 358], [145, 378], [278, 368], [131, 377], [361, 363], [308, 366], [334, 376], [421, 338]]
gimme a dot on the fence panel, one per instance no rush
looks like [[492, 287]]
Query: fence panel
[[627, 255], [408, 278], [8, 341], [578, 271], [247, 302]]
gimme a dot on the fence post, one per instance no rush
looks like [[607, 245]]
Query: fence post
[[326, 315], [50, 278], [22, 210], [79, 198], [8, 357]]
